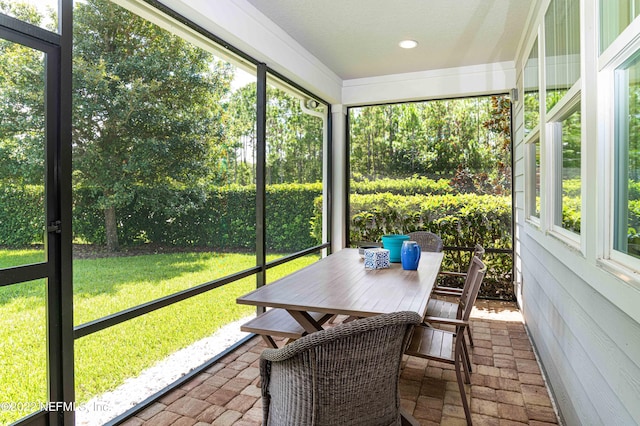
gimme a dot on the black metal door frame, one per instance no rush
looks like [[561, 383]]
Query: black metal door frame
[[56, 269]]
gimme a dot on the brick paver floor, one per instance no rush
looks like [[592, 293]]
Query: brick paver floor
[[506, 387]]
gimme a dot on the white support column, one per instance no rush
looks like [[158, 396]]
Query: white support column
[[339, 218]]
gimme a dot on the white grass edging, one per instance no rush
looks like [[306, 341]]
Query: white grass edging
[[102, 408]]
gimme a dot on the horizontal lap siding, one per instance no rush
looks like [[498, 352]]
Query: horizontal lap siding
[[518, 184], [589, 348]]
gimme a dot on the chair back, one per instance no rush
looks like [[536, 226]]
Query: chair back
[[428, 241], [478, 252], [345, 375], [472, 285]]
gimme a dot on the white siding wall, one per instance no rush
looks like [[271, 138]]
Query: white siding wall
[[588, 346], [584, 321], [518, 186]]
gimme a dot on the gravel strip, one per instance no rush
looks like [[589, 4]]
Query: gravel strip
[[109, 405]]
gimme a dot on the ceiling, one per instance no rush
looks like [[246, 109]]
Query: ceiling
[[359, 38]]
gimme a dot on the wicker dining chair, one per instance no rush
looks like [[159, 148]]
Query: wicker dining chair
[[428, 241], [345, 375]]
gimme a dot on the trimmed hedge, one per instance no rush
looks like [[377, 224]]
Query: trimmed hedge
[[410, 186], [22, 221], [223, 217], [461, 220]]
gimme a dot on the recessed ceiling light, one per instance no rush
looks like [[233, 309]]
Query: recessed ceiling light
[[408, 44]]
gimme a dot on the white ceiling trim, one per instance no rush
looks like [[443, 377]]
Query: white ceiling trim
[[436, 84]]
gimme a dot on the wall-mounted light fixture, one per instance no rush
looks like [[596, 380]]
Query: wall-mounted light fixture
[[311, 104]]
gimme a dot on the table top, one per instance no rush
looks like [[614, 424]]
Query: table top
[[339, 284]]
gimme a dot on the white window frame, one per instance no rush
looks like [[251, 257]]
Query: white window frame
[[535, 130], [621, 50], [533, 140], [613, 20], [561, 111]]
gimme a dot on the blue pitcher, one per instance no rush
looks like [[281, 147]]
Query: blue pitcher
[[410, 255]]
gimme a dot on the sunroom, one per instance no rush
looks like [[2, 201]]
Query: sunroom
[[73, 175]]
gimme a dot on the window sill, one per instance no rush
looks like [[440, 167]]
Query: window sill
[[620, 271], [534, 222], [568, 238]]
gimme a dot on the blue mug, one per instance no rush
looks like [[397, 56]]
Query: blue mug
[[410, 255]]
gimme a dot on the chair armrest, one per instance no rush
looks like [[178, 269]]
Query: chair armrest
[[447, 288], [451, 292], [440, 320], [453, 273]]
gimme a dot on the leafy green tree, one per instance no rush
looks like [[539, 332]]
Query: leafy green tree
[[294, 138], [409, 156], [147, 108], [448, 135], [294, 141], [447, 138], [22, 117], [498, 123], [241, 133], [367, 142], [634, 136]]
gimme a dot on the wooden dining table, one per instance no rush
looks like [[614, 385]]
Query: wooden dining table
[[339, 284]]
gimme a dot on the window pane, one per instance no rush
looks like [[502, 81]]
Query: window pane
[[22, 154], [41, 13], [570, 175], [127, 363], [562, 48], [627, 165], [163, 158], [23, 350], [280, 271], [615, 16], [531, 91], [294, 170], [534, 178]]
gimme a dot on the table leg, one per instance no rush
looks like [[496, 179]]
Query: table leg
[[269, 341], [306, 321]]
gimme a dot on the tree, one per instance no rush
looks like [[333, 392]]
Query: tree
[[409, 155], [294, 138], [147, 108], [22, 116], [367, 142], [241, 131], [446, 138], [498, 123]]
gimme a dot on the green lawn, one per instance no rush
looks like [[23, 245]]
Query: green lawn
[[107, 285]]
